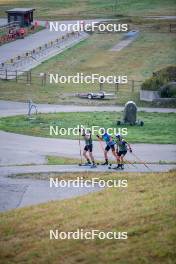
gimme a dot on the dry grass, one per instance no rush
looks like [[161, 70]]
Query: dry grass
[[146, 210]]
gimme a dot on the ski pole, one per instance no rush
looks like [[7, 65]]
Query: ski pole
[[125, 162], [80, 152], [141, 161], [130, 163]]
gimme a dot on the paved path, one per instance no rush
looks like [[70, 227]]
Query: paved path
[[9, 108], [127, 39], [161, 17], [15, 170], [21, 46], [19, 149], [16, 193]]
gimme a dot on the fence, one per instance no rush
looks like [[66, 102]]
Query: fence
[[148, 28], [25, 77], [35, 55], [28, 78], [130, 86], [158, 28]]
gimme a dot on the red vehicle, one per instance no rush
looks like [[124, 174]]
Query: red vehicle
[[21, 32]]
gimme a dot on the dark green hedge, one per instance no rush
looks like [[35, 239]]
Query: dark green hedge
[[160, 78]]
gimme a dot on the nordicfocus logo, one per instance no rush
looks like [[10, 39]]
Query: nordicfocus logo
[[80, 78], [94, 130], [87, 235], [80, 182], [82, 26]]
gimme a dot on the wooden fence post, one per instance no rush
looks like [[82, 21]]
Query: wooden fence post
[[132, 87], [27, 77], [16, 76], [44, 78], [30, 77], [101, 86], [6, 74], [116, 88]]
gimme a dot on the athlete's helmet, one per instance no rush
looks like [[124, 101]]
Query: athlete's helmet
[[118, 136]]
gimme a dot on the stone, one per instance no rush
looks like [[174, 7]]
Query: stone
[[130, 115]]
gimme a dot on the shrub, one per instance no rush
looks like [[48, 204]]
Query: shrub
[[160, 78], [168, 90]]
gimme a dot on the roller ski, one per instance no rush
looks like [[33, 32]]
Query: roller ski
[[87, 164], [119, 166], [93, 166], [105, 163]]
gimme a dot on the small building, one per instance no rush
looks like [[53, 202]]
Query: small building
[[23, 16]]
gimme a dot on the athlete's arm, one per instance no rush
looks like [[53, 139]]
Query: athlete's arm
[[100, 138]]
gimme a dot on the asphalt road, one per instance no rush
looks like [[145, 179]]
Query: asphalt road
[[19, 149], [33, 41], [23, 170], [21, 192], [9, 108], [15, 193]]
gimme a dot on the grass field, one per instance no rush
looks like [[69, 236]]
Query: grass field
[[149, 53], [146, 210], [158, 127], [57, 160], [68, 9]]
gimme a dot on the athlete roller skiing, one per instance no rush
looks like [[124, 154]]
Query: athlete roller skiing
[[122, 146], [110, 144], [87, 153]]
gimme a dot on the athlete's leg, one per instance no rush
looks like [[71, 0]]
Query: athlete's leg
[[85, 155], [115, 155], [106, 155], [122, 156], [91, 156]]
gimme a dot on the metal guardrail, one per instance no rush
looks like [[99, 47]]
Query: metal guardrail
[[10, 24], [38, 52]]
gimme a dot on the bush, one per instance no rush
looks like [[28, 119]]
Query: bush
[[168, 90], [160, 78]]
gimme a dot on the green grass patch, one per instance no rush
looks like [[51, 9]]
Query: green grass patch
[[158, 127], [55, 160], [68, 9], [148, 53], [58, 160], [145, 210]]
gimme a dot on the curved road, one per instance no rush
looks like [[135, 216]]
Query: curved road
[[9, 108], [16, 193], [20, 149]]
